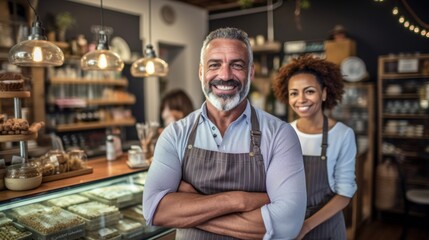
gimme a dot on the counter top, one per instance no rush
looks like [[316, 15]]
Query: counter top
[[102, 169]]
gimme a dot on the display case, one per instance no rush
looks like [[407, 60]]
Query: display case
[[106, 204], [403, 126]]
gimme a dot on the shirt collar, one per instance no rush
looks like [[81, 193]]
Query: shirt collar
[[245, 115]]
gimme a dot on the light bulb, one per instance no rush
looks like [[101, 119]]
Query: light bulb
[[150, 67], [37, 54], [102, 61]]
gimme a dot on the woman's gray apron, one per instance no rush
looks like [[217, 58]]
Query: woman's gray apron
[[319, 193], [213, 172]]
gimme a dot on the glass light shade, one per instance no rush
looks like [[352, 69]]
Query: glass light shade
[[36, 53], [149, 65], [145, 67], [102, 60]]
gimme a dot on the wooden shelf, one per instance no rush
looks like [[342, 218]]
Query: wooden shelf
[[102, 169], [32, 134], [115, 82], [104, 102], [411, 116], [94, 125], [401, 96], [402, 76], [405, 137], [17, 138], [92, 102], [269, 47], [15, 94]]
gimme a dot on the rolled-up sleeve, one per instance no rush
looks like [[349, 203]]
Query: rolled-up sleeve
[[344, 169], [284, 216], [164, 174]]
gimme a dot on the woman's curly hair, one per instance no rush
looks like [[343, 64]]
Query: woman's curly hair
[[327, 74]]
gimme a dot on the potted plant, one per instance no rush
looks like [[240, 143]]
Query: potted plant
[[64, 21]]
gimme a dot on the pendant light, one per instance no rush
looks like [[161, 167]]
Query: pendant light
[[102, 59], [36, 51], [150, 64]]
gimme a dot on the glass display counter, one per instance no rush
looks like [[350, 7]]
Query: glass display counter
[[106, 204]]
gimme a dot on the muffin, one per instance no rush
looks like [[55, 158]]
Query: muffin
[[11, 82]]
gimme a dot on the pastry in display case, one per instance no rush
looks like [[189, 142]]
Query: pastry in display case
[[120, 195], [107, 233], [96, 214], [46, 222], [130, 229], [12, 230], [60, 209], [67, 201]]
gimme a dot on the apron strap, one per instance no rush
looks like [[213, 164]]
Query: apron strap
[[192, 137], [324, 138], [255, 135]]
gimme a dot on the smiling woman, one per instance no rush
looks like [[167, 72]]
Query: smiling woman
[[311, 85]]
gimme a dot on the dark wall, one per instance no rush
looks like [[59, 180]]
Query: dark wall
[[371, 24], [126, 26]]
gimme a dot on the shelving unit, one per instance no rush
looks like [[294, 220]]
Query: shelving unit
[[33, 130], [82, 106], [267, 59], [403, 119], [357, 111]]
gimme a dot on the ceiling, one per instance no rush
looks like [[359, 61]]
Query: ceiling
[[220, 5]]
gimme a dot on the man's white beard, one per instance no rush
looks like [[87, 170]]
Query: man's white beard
[[230, 102]]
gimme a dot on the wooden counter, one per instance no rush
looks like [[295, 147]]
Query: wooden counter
[[102, 169]]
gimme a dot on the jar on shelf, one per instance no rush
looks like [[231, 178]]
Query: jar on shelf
[[77, 159], [20, 177]]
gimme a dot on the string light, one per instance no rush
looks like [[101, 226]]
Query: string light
[[419, 28]]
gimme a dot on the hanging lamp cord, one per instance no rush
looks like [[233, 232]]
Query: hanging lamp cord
[[34, 10], [101, 14], [150, 28]]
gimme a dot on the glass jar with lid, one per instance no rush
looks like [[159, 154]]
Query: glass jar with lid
[[21, 177], [77, 159]]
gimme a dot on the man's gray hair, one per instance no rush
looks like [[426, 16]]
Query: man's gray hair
[[227, 33]]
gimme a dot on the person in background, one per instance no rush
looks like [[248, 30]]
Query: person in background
[[310, 86], [175, 105], [227, 170]]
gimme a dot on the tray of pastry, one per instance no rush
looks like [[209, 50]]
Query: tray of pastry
[[66, 201], [107, 233], [11, 230], [19, 212], [141, 178], [119, 195], [96, 215], [130, 229], [136, 213], [15, 129], [53, 223]]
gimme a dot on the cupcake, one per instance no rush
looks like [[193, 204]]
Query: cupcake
[[11, 82]]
